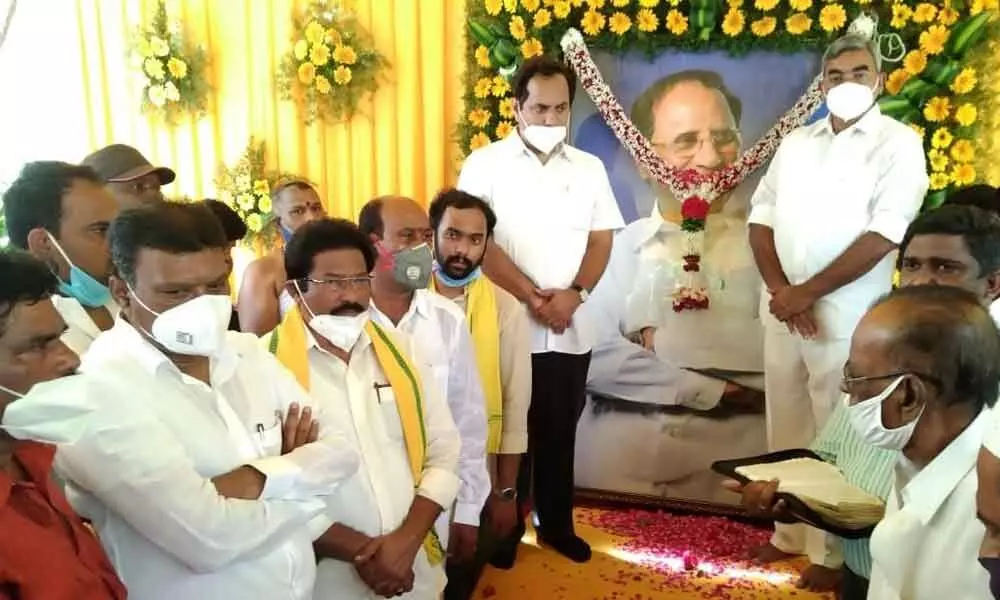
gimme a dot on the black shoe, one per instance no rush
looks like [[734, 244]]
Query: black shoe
[[569, 545]]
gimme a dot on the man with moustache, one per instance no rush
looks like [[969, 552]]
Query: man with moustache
[[401, 233], [462, 224], [692, 380], [376, 538], [61, 214], [202, 479], [826, 219], [130, 177], [45, 551], [263, 298]]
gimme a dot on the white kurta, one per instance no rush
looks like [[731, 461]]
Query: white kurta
[[545, 213], [926, 547], [81, 331], [142, 474], [440, 334], [376, 500]]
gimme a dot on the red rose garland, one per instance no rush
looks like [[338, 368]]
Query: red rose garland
[[697, 190]]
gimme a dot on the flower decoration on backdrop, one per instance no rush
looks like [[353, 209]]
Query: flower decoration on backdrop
[[246, 188], [172, 70], [333, 64], [940, 36]]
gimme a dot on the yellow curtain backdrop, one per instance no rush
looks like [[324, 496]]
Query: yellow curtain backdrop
[[401, 143]]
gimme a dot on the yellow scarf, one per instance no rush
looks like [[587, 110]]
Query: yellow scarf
[[484, 325], [289, 344]]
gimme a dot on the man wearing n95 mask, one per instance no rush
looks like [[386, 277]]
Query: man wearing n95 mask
[[45, 550], [200, 483], [824, 226]]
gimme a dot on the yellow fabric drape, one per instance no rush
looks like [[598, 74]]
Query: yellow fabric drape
[[402, 143]]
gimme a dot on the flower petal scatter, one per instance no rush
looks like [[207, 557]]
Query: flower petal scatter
[[333, 64], [173, 71]]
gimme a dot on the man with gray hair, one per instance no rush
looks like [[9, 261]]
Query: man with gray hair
[[824, 226]]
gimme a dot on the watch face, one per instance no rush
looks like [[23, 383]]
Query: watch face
[[508, 493]]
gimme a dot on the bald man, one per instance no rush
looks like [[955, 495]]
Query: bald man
[[649, 359], [263, 298], [402, 235]]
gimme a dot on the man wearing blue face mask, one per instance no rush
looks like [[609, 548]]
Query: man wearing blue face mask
[[61, 213], [45, 551], [402, 234], [202, 480], [263, 299]]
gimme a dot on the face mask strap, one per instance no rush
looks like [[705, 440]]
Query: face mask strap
[[6, 389], [298, 290], [139, 300]]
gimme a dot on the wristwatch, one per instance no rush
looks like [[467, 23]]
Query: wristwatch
[[584, 294], [506, 494]]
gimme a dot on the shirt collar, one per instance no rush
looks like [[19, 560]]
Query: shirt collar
[[650, 227], [76, 315], [36, 460], [867, 124], [130, 342], [932, 486]]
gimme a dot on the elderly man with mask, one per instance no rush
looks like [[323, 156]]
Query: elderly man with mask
[[200, 483], [263, 298], [826, 219], [401, 232], [60, 213], [956, 246], [46, 551], [130, 177]]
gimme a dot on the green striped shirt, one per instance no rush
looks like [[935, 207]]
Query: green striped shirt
[[863, 465]]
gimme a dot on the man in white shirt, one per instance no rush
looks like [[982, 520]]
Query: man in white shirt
[[400, 230], [263, 298], [556, 216], [208, 459], [924, 367], [373, 539], [824, 224], [462, 224], [61, 213]]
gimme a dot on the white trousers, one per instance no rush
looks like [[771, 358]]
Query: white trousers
[[802, 386]]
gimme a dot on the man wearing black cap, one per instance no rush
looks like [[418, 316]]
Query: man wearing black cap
[[132, 179]]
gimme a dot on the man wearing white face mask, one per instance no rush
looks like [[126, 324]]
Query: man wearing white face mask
[[401, 231], [45, 550], [824, 225], [200, 483], [924, 367], [60, 213], [377, 536], [556, 216]]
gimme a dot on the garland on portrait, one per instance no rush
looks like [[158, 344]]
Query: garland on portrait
[[932, 76]]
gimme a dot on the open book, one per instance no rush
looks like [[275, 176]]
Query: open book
[[822, 487]]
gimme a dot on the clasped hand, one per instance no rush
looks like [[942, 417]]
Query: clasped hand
[[554, 308], [385, 564], [793, 306]]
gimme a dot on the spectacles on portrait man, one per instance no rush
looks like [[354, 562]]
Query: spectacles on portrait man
[[686, 145]]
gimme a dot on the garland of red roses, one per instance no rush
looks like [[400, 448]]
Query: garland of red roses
[[698, 190]]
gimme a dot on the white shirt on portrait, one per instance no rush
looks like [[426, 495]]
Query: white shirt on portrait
[[376, 499], [823, 190], [545, 213], [81, 331], [927, 545], [446, 358], [142, 474], [645, 266]]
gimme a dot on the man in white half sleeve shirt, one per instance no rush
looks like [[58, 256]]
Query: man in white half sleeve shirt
[[824, 225], [556, 215], [401, 232], [208, 460]]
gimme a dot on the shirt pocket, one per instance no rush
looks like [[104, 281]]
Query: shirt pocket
[[268, 437], [388, 411]]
